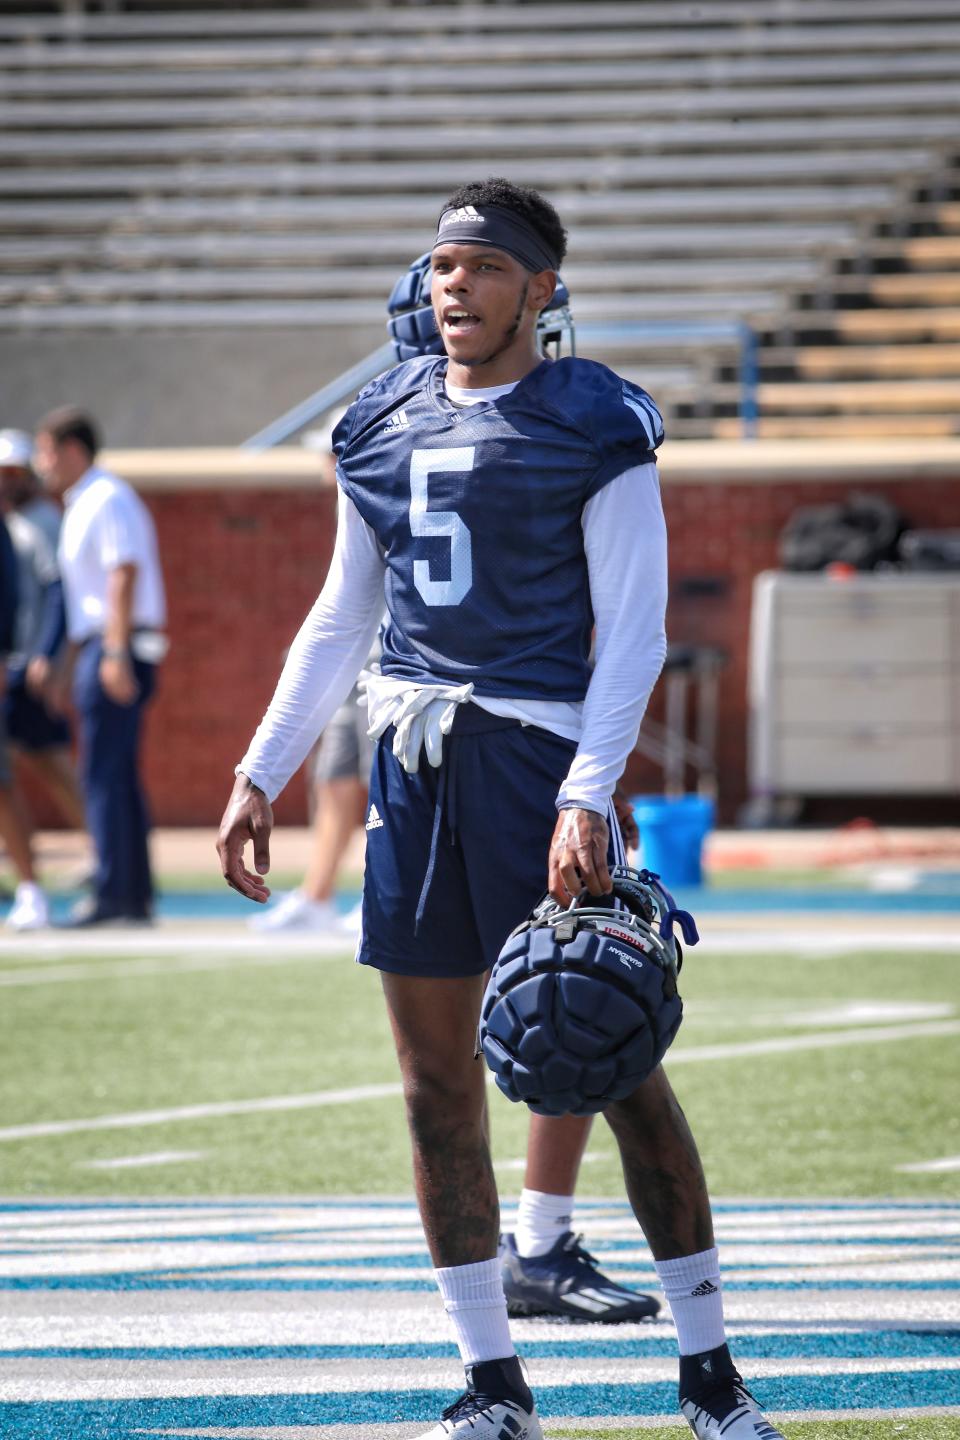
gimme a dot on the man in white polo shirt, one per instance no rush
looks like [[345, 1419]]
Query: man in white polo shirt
[[116, 612]]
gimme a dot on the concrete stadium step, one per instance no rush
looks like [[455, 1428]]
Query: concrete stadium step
[[837, 427], [875, 325], [925, 288], [905, 361], [272, 20], [713, 274], [649, 91], [429, 175], [263, 213], [466, 139], [215, 248], [436, 48], [901, 396]]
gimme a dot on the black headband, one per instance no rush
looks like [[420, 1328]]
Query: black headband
[[500, 228]]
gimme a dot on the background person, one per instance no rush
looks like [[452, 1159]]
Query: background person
[[116, 611], [29, 910], [35, 696]]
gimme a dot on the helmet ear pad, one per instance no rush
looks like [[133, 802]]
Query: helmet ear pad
[[570, 1026]]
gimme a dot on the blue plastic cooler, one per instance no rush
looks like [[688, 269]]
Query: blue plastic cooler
[[672, 832]]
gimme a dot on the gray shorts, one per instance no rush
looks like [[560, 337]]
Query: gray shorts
[[344, 751]]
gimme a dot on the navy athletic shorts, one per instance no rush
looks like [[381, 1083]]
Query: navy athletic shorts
[[29, 722], [457, 856]]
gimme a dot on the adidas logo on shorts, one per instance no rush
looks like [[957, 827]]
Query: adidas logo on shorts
[[396, 423], [373, 819]]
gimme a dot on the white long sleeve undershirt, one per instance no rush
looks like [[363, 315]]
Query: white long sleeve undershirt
[[625, 545]]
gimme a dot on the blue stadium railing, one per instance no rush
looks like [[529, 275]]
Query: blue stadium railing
[[620, 333]]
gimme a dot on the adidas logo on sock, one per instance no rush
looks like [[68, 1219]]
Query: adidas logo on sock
[[373, 819], [706, 1287]]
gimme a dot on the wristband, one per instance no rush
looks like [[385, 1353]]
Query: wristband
[[115, 652]]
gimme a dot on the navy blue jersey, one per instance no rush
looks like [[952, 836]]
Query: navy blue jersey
[[478, 511]]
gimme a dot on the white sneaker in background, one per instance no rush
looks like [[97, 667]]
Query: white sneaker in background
[[350, 923], [296, 912], [30, 910]]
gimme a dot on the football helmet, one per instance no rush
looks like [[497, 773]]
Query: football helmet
[[413, 327], [582, 1003]]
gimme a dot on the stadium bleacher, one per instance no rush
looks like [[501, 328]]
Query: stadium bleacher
[[793, 167]]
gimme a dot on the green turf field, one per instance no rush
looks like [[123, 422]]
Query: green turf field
[[806, 1122]]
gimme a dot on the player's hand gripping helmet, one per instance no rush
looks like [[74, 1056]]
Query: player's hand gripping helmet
[[413, 327], [582, 1003]]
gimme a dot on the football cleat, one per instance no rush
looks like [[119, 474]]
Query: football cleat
[[565, 1281], [716, 1403], [496, 1405]]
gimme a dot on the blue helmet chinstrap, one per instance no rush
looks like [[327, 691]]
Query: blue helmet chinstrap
[[582, 1003]]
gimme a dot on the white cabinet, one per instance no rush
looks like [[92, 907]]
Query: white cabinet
[[854, 684]]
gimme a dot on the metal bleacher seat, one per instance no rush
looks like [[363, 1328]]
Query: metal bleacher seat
[[274, 165]]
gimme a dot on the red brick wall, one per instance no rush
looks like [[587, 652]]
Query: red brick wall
[[243, 566]]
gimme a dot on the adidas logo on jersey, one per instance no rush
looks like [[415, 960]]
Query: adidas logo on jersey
[[396, 423], [461, 216], [706, 1287], [373, 819]]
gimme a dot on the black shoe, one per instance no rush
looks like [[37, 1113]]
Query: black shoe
[[496, 1405], [716, 1403], [89, 912], [565, 1281]]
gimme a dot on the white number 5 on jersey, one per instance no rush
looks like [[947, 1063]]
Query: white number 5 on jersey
[[440, 523]]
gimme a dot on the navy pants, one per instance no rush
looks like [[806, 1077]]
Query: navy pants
[[109, 773]]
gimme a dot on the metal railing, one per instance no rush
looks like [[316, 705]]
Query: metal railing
[[620, 333]]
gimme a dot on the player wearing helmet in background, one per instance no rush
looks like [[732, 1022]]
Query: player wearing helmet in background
[[501, 505]]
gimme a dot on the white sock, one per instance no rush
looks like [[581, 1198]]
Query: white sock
[[541, 1220], [473, 1298], [692, 1286]]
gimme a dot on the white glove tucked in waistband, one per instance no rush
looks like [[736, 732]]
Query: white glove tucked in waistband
[[423, 714]]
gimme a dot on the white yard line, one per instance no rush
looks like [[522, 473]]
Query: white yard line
[[931, 1167], [868, 1035], [137, 1162]]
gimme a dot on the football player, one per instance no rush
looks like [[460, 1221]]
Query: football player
[[545, 1269], [501, 505]]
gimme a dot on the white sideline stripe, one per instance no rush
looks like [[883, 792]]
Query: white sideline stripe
[[135, 1162], [319, 1098], [931, 1167], [555, 1426], [43, 1380]]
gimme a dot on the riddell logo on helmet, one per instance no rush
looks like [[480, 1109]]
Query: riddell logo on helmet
[[622, 935]]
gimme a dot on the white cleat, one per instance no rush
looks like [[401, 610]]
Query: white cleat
[[715, 1402], [481, 1415], [30, 910], [485, 1420], [296, 912]]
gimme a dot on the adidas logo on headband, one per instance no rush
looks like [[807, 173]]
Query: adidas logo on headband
[[459, 217]]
